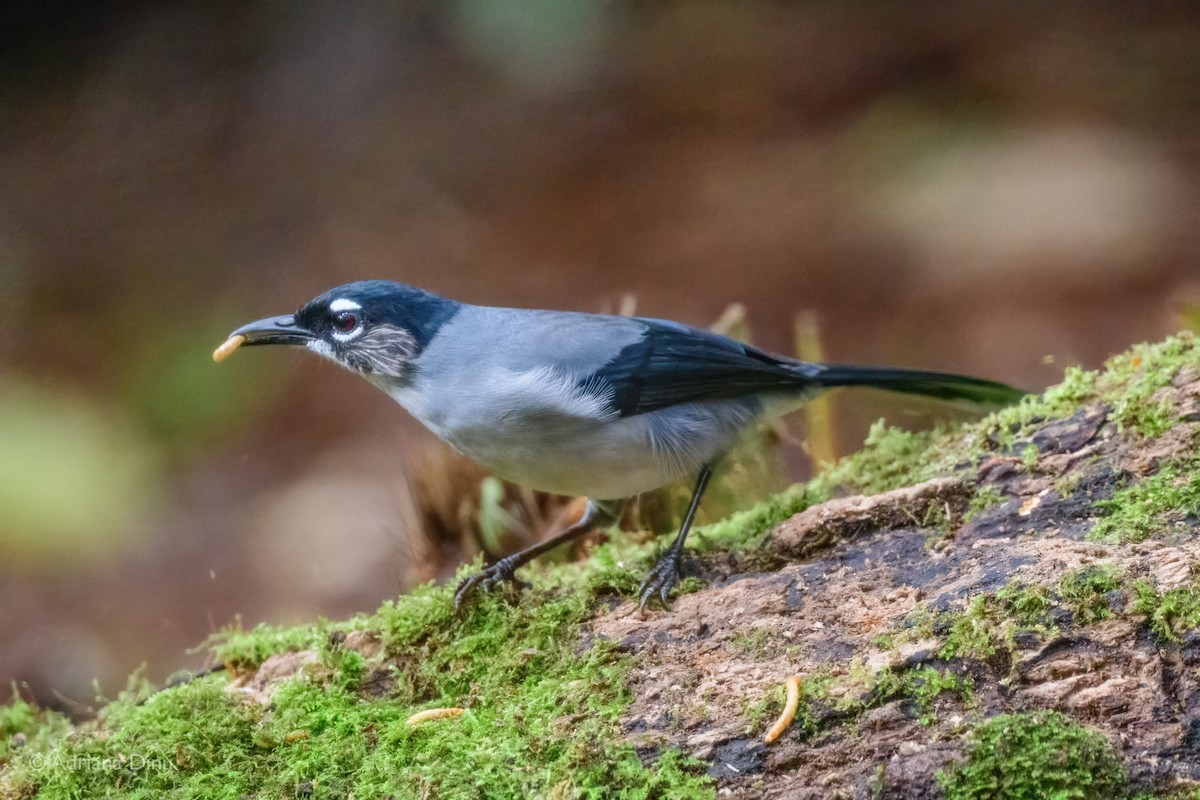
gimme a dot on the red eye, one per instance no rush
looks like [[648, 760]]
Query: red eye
[[344, 322]]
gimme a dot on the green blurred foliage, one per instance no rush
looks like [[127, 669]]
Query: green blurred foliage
[[537, 43], [72, 476], [180, 397]]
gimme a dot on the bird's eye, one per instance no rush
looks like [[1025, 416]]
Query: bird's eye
[[345, 321]]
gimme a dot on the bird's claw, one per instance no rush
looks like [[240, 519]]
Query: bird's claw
[[503, 571], [660, 581]]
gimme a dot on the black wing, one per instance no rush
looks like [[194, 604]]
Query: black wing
[[675, 363]]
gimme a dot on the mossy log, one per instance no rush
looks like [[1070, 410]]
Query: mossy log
[[1008, 609]]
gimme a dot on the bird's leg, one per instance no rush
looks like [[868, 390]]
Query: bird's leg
[[595, 514], [666, 571]]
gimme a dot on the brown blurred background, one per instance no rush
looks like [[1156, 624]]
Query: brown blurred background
[[1000, 188]]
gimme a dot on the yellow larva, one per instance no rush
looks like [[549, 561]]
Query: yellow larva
[[789, 710], [433, 713], [227, 347]]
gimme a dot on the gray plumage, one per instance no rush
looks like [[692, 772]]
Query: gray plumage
[[533, 406]]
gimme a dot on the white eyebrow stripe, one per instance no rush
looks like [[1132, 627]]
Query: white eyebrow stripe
[[342, 304]]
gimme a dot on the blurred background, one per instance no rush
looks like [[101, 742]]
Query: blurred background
[[998, 188]]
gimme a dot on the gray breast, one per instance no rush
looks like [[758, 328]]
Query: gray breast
[[506, 388]]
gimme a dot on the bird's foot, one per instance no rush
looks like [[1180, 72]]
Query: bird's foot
[[503, 571], [661, 580]]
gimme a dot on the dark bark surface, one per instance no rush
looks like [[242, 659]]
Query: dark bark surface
[[875, 588]]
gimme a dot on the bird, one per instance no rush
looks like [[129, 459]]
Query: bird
[[591, 405]]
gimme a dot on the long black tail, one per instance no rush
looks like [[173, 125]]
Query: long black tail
[[942, 385]]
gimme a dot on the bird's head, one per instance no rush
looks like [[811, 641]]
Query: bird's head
[[375, 328]]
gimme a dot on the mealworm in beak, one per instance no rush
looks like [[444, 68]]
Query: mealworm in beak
[[227, 347]]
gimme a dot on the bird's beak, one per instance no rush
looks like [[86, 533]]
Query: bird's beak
[[273, 330]]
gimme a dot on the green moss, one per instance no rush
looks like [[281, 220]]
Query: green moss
[[25, 728], [1039, 756], [986, 629], [1170, 614], [1129, 383], [921, 686], [1029, 456], [1146, 417], [755, 643], [858, 691], [1181, 794], [814, 688], [242, 649], [1026, 605], [1009, 425], [892, 458], [542, 715], [745, 530], [940, 521], [990, 622], [889, 458], [690, 585], [1152, 506], [1084, 591], [761, 710], [971, 633], [1140, 373]]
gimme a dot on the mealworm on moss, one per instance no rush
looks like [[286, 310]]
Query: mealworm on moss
[[433, 713], [789, 710]]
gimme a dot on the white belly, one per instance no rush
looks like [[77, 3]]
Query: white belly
[[603, 460], [566, 448]]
